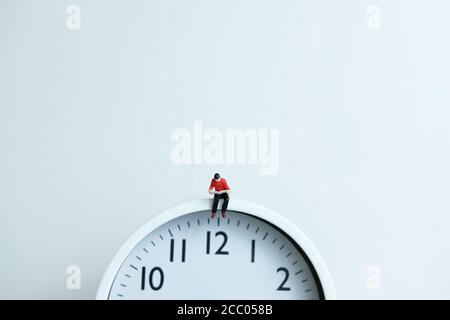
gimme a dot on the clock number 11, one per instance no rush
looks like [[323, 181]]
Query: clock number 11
[[183, 250]]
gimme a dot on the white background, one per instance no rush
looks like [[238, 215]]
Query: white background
[[86, 118]]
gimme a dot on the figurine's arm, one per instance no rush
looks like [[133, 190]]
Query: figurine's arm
[[212, 189], [227, 188]]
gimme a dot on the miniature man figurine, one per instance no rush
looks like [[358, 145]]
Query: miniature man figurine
[[219, 187]]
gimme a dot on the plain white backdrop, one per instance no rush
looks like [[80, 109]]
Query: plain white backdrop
[[86, 118]]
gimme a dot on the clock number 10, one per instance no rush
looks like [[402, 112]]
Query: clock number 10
[[155, 278]]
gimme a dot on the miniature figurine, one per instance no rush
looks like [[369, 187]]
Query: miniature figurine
[[219, 187]]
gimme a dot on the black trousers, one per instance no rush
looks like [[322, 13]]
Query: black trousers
[[217, 197]]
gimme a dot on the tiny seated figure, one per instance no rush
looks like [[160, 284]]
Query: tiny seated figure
[[219, 187]]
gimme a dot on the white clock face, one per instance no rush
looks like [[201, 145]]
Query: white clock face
[[192, 256]]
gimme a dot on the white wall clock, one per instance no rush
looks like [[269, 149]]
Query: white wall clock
[[253, 253]]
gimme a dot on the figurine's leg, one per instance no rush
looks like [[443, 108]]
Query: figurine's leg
[[215, 204], [226, 199]]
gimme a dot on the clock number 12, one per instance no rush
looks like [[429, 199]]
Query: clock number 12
[[224, 242]]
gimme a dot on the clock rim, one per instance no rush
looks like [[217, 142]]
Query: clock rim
[[246, 207]]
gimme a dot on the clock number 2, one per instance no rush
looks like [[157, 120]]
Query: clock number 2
[[286, 277], [208, 242], [151, 281]]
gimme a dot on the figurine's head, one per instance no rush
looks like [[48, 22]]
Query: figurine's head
[[216, 176]]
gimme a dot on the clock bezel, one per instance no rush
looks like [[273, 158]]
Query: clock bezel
[[319, 266]]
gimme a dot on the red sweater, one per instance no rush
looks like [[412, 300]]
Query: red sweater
[[219, 185]]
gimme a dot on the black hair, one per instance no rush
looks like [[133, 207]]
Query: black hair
[[216, 176]]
